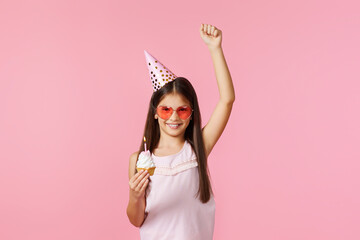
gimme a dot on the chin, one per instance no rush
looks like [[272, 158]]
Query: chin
[[173, 132]]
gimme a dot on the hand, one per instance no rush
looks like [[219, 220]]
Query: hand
[[211, 35], [138, 184]]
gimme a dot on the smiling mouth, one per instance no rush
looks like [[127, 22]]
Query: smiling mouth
[[173, 126]]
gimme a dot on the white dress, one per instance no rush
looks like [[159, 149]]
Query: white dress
[[174, 213]]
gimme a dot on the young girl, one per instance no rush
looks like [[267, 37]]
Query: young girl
[[177, 201]]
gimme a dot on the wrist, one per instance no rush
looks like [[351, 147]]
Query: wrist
[[215, 49], [136, 199]]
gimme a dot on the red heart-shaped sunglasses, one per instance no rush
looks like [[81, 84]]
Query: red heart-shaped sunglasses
[[164, 112]]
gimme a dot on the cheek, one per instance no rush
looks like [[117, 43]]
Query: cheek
[[187, 124], [161, 121]]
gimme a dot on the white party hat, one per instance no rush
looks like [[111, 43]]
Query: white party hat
[[159, 74]]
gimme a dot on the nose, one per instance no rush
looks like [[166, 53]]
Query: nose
[[174, 116]]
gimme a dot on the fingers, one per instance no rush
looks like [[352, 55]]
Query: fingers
[[202, 27], [137, 179], [212, 29], [141, 183], [135, 176], [209, 29], [140, 177], [144, 185]]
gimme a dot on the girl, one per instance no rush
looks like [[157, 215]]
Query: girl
[[177, 201]]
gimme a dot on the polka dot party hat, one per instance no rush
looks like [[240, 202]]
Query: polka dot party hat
[[159, 74]]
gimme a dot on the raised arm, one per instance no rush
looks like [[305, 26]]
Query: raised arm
[[219, 118]]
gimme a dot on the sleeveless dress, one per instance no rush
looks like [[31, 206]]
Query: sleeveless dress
[[173, 211]]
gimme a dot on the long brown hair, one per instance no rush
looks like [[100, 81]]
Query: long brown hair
[[193, 133]]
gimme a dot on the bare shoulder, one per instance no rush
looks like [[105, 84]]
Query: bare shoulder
[[134, 155], [132, 164]]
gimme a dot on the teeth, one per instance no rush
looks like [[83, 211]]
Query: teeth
[[173, 125]]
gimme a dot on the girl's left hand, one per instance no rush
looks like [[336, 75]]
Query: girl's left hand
[[211, 35]]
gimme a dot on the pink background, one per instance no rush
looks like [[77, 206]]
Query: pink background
[[74, 91]]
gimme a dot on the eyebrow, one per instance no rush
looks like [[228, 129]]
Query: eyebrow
[[163, 105]]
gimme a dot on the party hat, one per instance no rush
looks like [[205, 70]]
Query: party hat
[[159, 74]]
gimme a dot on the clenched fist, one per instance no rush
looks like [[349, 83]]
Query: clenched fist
[[211, 35]]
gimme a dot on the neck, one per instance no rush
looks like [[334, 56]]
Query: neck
[[169, 141]]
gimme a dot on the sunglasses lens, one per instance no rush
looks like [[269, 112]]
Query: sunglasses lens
[[184, 112], [164, 112]]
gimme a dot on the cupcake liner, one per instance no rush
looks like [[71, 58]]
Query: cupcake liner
[[150, 170]]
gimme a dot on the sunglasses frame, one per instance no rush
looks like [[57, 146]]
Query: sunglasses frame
[[192, 110]]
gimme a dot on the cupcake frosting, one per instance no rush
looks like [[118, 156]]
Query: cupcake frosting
[[144, 160]]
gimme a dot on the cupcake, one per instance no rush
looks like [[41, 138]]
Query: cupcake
[[145, 162]]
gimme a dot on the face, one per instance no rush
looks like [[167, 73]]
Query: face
[[174, 126]]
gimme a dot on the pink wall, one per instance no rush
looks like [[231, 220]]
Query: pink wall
[[74, 92]]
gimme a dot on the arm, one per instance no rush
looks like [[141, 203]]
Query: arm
[[219, 118], [137, 183]]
